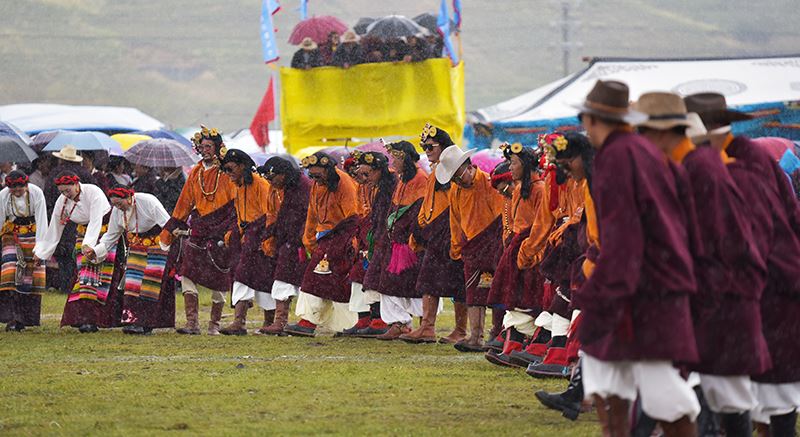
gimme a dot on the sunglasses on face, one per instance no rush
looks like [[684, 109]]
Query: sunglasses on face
[[457, 179], [428, 147], [227, 170]]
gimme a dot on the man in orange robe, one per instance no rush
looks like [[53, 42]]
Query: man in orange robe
[[205, 207]]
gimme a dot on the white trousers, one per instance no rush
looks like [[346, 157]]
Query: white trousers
[[775, 400], [188, 286], [325, 313], [358, 303], [241, 292], [283, 291], [400, 309], [728, 394], [371, 296], [522, 322], [665, 396]]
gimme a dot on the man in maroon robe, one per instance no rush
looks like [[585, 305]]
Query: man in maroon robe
[[775, 219], [635, 305]]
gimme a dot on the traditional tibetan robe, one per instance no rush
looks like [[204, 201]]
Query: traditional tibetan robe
[[24, 222], [635, 305], [401, 263], [377, 247], [365, 197], [775, 217], [284, 234], [251, 274], [92, 300], [513, 287], [205, 206], [329, 232], [476, 233], [148, 288], [730, 271], [439, 275]]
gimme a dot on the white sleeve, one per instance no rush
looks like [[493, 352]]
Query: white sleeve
[[159, 214], [44, 248], [110, 238], [5, 194], [40, 211], [98, 208]]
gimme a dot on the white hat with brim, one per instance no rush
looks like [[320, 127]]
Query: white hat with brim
[[68, 153], [449, 161]]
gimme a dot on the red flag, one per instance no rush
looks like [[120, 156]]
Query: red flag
[[265, 114]]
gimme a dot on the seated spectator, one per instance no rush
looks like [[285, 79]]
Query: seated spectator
[[308, 56], [327, 50], [349, 53], [436, 44], [419, 49], [396, 50], [374, 49]]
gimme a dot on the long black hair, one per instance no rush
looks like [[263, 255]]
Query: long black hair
[[386, 185], [237, 156], [280, 166], [530, 164], [410, 158], [578, 145]]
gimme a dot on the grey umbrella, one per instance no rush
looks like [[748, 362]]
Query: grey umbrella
[[160, 152], [13, 149], [361, 25], [394, 27], [428, 21]]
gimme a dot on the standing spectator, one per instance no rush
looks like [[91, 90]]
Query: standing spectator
[[373, 49], [396, 50], [117, 172], [349, 53], [100, 179], [327, 49], [308, 56], [144, 179], [41, 170], [168, 187]]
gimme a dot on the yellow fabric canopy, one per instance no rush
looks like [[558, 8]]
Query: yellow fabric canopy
[[370, 101], [126, 141]]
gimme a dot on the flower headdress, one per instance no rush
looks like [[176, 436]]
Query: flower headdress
[[212, 134]]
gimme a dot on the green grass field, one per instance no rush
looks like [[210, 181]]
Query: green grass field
[[59, 382]]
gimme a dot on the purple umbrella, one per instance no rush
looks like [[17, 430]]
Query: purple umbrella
[[160, 152]]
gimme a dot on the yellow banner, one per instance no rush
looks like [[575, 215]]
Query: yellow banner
[[329, 105]]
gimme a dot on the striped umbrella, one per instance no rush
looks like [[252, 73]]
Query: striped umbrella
[[160, 152]]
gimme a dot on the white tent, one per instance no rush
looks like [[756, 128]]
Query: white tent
[[743, 81], [38, 117]]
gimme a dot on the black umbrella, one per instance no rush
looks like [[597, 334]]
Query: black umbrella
[[428, 21], [13, 149], [394, 27], [361, 25], [9, 130]]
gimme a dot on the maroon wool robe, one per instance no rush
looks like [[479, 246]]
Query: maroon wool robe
[[775, 218], [402, 284], [337, 244], [378, 215], [439, 275], [636, 302], [290, 259], [512, 287], [478, 255]]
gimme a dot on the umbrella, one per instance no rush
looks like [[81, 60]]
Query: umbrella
[[394, 27], [429, 22], [128, 140], [13, 149], [160, 152], [84, 141], [43, 138], [361, 25], [9, 130], [487, 159], [167, 134], [316, 28]]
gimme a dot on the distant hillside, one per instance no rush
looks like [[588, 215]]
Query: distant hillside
[[192, 61]]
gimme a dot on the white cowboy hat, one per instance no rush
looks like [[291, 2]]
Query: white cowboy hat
[[449, 161], [68, 153], [666, 110]]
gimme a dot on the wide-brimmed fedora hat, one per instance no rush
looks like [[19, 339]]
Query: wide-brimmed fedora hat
[[349, 36], [713, 109], [68, 153], [666, 110], [308, 44], [449, 161], [609, 99]]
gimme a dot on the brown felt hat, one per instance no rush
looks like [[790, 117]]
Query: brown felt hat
[[713, 109], [609, 99], [665, 110]]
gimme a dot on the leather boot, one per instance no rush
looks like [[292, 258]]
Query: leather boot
[[569, 401], [474, 343], [216, 316], [192, 327], [602, 415], [426, 333], [737, 425], [619, 411], [239, 325], [784, 425], [280, 319], [460, 330], [395, 331], [682, 427]]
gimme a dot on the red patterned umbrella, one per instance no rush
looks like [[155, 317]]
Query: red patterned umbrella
[[316, 28]]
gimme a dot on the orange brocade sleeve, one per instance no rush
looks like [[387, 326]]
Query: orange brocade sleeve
[[592, 231], [532, 248], [326, 210]]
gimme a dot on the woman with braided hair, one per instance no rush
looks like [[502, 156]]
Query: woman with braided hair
[[92, 303], [148, 290], [23, 214]]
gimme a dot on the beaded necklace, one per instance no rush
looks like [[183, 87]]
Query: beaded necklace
[[203, 186], [65, 218], [135, 239], [14, 209]]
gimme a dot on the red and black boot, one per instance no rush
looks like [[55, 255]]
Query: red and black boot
[[513, 343], [303, 328], [555, 363], [534, 351], [363, 322]]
